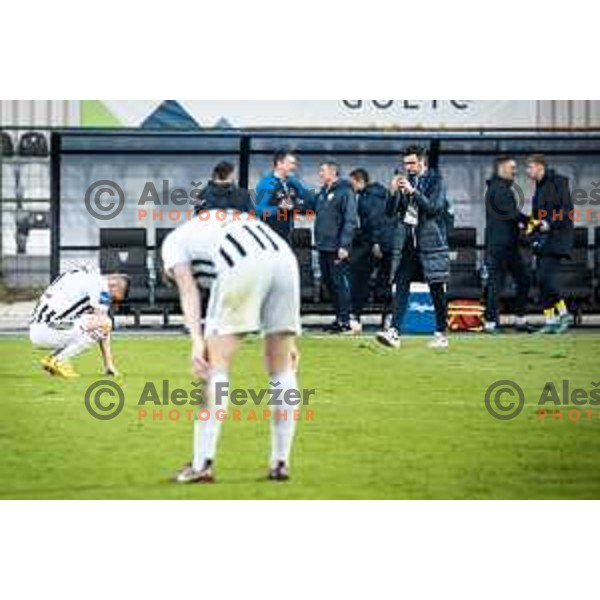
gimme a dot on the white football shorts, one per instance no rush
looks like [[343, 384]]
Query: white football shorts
[[58, 336], [261, 295]]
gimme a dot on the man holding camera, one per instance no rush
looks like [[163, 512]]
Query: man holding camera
[[418, 200], [280, 193]]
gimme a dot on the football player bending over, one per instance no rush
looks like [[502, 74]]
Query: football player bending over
[[72, 315], [254, 281]]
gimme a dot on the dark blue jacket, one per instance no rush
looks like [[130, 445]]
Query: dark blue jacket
[[552, 203], [431, 234], [374, 226], [271, 191], [502, 214], [336, 217], [226, 196]]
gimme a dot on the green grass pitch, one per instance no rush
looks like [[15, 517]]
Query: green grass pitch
[[387, 425]]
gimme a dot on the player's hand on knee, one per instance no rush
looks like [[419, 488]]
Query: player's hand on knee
[[200, 367], [295, 358], [200, 362]]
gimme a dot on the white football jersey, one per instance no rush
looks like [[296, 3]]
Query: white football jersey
[[217, 242], [72, 294]]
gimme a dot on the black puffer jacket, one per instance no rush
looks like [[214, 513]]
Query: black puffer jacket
[[431, 233], [552, 203], [225, 196]]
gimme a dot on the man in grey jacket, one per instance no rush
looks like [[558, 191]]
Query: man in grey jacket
[[335, 222]]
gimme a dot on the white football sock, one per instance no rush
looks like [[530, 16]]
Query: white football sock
[[207, 430], [283, 424]]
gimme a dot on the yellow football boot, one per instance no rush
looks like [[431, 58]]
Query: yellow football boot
[[59, 369]]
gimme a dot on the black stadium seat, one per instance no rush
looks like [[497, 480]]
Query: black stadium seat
[[465, 283], [124, 251], [576, 276], [302, 246], [165, 296], [582, 239], [462, 238], [597, 264], [7, 148], [33, 144]]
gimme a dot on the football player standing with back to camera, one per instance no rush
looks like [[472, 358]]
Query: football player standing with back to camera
[[255, 287], [72, 315]]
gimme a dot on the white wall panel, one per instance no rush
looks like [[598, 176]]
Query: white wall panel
[[39, 113], [547, 113]]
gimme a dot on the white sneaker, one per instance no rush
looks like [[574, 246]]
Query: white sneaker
[[490, 327], [439, 342], [389, 338]]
